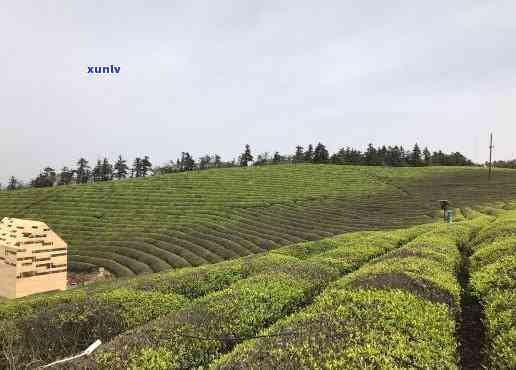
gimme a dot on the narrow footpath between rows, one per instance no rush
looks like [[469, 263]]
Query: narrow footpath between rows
[[470, 326]]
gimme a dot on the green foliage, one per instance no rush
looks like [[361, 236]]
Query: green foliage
[[152, 359], [348, 258], [498, 275], [197, 282], [489, 253], [396, 311], [425, 267], [241, 310], [69, 325], [15, 309], [349, 251], [81, 316], [395, 308], [422, 277], [151, 224], [500, 320], [354, 330], [493, 282], [307, 249], [501, 228]]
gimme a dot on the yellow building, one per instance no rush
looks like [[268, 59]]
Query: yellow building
[[33, 258]]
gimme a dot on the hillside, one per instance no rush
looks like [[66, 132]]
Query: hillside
[[189, 219], [370, 299]]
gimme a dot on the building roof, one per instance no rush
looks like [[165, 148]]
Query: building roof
[[15, 230]]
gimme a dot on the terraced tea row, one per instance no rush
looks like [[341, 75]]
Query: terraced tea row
[[389, 299], [398, 311], [171, 221], [256, 289], [347, 324], [493, 282]]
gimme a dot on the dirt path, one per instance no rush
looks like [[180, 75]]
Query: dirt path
[[470, 329]]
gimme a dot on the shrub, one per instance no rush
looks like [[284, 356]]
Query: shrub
[[488, 253], [439, 247], [503, 227], [500, 275], [239, 311], [354, 330], [500, 322], [493, 282], [306, 249], [347, 252], [69, 327], [348, 258], [422, 277], [197, 282]]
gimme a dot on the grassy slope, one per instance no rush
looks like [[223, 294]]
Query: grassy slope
[[152, 224], [257, 286], [373, 299]]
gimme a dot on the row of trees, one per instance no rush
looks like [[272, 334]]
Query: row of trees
[[395, 156], [104, 170]]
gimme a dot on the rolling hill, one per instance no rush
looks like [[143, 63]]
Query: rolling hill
[[189, 219], [370, 299]]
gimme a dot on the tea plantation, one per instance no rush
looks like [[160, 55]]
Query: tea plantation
[[189, 219], [394, 299]]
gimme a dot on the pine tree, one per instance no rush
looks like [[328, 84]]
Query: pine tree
[[106, 172], [217, 161], [415, 156], [13, 184], [204, 162], [370, 155], [427, 157], [382, 155], [136, 171], [97, 172], [146, 166], [246, 156], [65, 176], [403, 156], [83, 172], [299, 156], [309, 154], [121, 168], [187, 163], [46, 178], [321, 155], [276, 158], [438, 158]]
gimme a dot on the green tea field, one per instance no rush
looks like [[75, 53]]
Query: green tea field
[[189, 219], [395, 299]]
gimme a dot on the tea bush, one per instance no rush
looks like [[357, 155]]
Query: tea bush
[[493, 282], [363, 329], [239, 311], [425, 267], [69, 327], [162, 320], [144, 225], [397, 311]]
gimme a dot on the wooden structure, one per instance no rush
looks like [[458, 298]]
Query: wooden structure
[[33, 258]]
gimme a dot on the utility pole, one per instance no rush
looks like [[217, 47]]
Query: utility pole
[[490, 155]]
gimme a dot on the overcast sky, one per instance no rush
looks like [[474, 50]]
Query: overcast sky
[[211, 76]]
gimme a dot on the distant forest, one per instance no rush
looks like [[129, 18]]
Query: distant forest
[[105, 170]]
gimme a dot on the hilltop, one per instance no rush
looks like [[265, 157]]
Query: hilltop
[[187, 219]]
